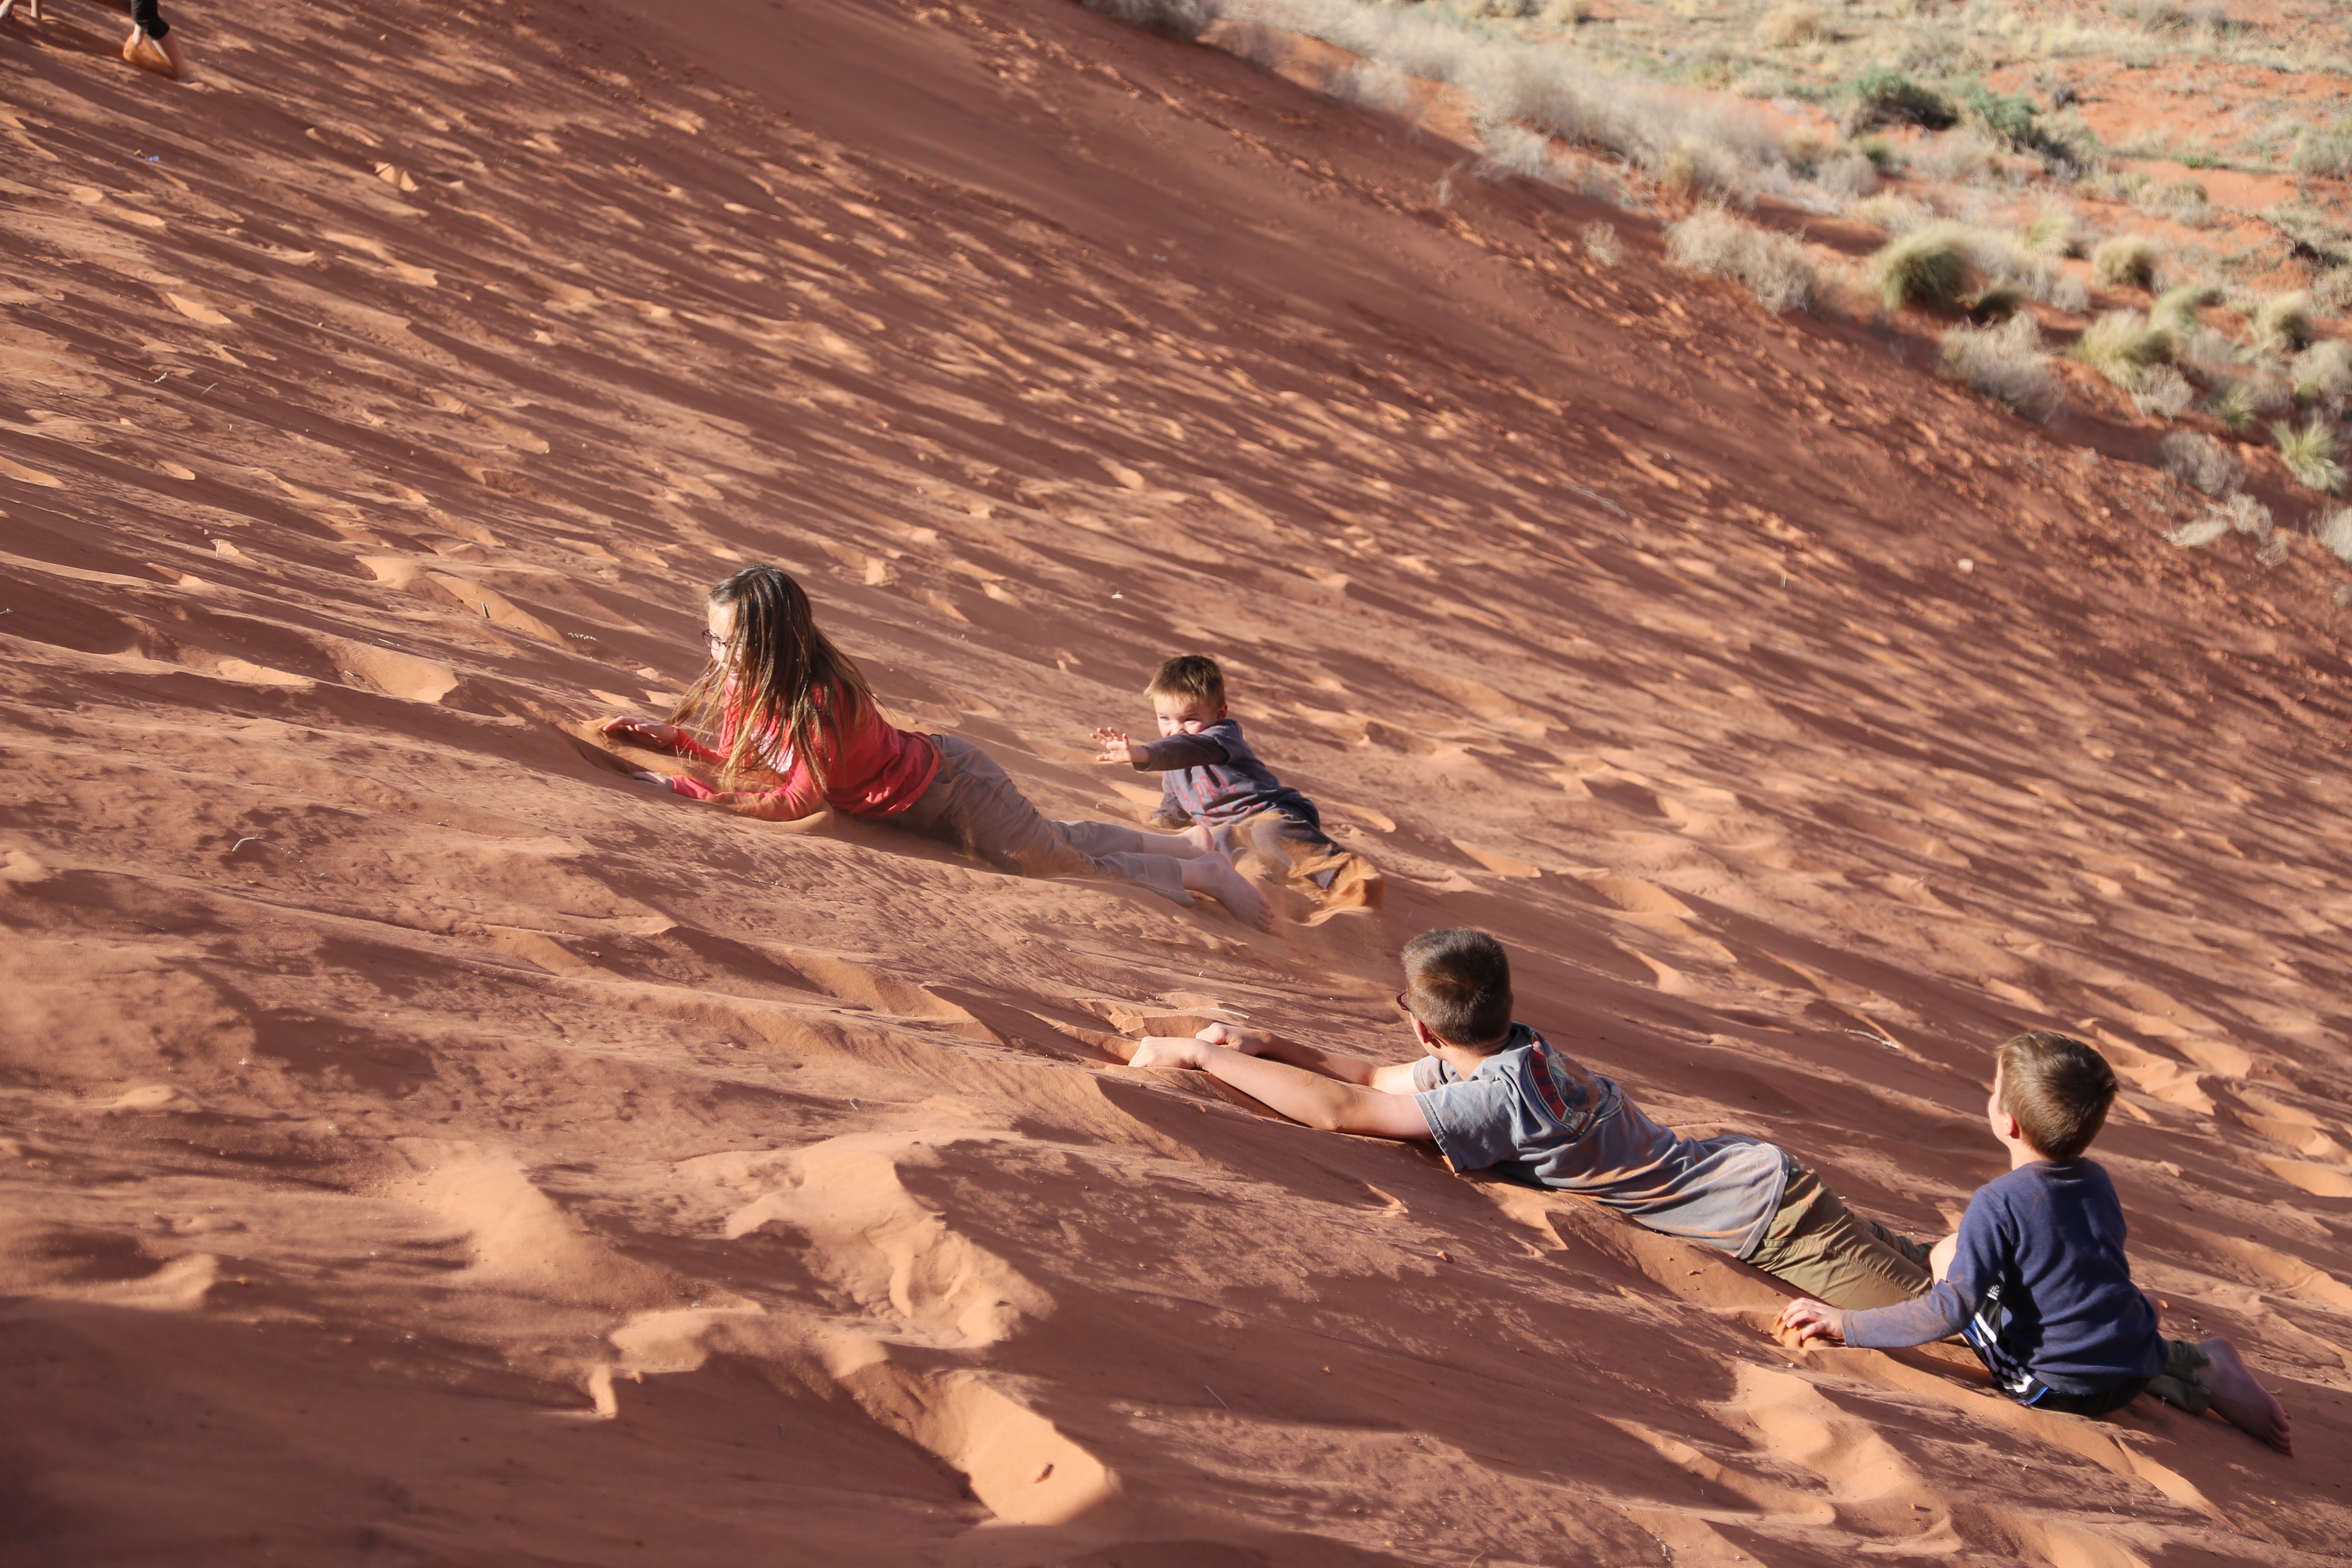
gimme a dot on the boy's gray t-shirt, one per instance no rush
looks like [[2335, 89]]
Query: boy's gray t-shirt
[[1532, 1113]]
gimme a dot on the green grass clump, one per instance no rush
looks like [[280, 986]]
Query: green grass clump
[[2236, 404], [2283, 322], [1884, 95], [2127, 259], [2311, 455], [2323, 373], [2175, 310], [2007, 119], [1926, 267], [2122, 346], [2051, 233]]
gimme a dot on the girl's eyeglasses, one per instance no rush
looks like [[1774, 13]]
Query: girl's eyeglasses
[[715, 643]]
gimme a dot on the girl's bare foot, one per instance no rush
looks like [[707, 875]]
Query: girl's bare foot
[[2237, 1394], [161, 56], [1213, 874]]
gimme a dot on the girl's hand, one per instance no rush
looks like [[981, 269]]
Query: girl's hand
[[652, 781], [1809, 1320], [645, 732]]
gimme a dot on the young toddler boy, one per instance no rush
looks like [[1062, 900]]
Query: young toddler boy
[[1213, 786], [1492, 1092], [2036, 1278]]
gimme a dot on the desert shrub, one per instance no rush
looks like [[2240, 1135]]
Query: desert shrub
[[1884, 95], [2332, 290], [2200, 462], [2071, 294], [2310, 453], [1791, 26], [2127, 259], [2158, 16], [1506, 147], [1892, 211], [2334, 531], [2175, 310], [2004, 363], [2051, 233], [2163, 392], [2323, 150], [2321, 373], [1880, 152], [1185, 19], [2247, 515], [2240, 404], [1926, 266], [1600, 244], [1568, 12], [2210, 17], [2200, 531], [2122, 346], [2007, 119], [1715, 244], [2283, 322], [1996, 302], [1847, 174]]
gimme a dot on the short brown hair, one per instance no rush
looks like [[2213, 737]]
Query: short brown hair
[[2057, 1089], [1193, 675], [1458, 983]]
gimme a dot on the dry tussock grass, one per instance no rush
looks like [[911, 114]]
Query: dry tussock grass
[[2004, 363], [1773, 265]]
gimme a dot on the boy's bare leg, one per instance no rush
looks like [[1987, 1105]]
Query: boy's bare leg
[[1214, 875], [1185, 846], [2242, 1398]]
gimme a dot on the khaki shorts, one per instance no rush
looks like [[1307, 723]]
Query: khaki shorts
[[1816, 1243]]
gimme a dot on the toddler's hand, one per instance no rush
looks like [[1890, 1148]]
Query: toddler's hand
[[1810, 1320], [1165, 1051], [1249, 1042], [1113, 749]]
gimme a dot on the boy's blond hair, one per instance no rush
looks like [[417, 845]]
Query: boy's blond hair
[[2057, 1089], [1192, 674]]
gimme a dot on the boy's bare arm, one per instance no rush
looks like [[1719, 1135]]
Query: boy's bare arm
[[1330, 1103], [1393, 1078]]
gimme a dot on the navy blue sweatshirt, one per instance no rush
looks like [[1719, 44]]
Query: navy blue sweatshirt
[[1214, 777], [2038, 1285]]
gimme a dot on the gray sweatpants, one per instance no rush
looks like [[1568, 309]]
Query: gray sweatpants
[[973, 806]]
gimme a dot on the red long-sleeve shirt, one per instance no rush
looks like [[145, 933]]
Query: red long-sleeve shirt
[[881, 772]]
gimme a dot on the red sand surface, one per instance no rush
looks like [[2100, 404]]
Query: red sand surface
[[423, 1146]]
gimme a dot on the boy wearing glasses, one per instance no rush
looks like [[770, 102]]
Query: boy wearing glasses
[[1492, 1092]]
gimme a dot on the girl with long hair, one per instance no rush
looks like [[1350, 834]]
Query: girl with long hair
[[796, 720]]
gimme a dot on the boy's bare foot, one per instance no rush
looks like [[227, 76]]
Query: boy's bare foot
[[161, 56], [2247, 1404], [1213, 874]]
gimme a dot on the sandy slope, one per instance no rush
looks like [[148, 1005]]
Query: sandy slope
[[423, 1146]]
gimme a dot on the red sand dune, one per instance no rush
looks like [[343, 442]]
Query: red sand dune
[[423, 1146]]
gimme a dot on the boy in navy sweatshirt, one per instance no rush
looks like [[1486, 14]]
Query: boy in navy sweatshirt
[[1213, 786], [2036, 1279]]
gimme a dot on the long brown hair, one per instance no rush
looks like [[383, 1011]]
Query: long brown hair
[[777, 676]]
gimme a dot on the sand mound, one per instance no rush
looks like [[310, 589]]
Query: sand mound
[[423, 1145]]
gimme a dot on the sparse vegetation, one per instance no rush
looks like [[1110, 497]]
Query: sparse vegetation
[[2282, 324], [2334, 531], [2122, 346], [1996, 302], [2163, 392], [1926, 267], [2322, 373], [2128, 259], [2324, 152], [1892, 211], [2007, 119], [1883, 96], [2200, 462], [1773, 265], [2311, 454], [2004, 363], [1600, 243], [1791, 26], [2051, 233], [2175, 310]]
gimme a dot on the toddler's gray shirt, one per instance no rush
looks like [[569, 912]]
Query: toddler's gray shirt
[[1532, 1113]]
